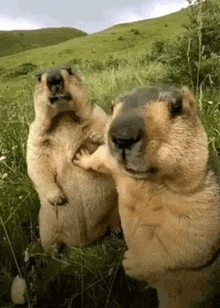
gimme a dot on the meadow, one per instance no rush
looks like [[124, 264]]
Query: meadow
[[111, 62]]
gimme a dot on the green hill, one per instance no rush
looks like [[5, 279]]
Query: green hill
[[123, 41], [20, 40]]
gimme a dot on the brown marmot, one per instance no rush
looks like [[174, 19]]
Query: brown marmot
[[169, 198], [76, 205]]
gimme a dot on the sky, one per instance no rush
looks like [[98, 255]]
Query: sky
[[87, 15]]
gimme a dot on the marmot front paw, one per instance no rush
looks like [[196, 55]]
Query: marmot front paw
[[60, 199], [94, 137], [82, 158]]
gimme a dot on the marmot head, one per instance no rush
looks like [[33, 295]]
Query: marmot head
[[61, 90], [158, 133]]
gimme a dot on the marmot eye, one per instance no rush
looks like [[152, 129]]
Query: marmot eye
[[177, 107]]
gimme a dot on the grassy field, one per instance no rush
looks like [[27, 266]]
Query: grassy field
[[91, 277]]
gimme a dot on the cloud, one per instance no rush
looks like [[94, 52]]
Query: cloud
[[127, 15], [26, 21], [148, 10], [161, 9], [30, 22], [12, 23], [88, 17]]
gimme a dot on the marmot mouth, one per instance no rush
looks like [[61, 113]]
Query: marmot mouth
[[142, 174], [60, 97]]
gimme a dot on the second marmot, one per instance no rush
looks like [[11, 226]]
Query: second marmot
[[76, 205]]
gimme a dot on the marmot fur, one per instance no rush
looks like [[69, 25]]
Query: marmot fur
[[76, 205], [169, 198]]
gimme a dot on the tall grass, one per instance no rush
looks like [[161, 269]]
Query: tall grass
[[82, 277], [107, 84]]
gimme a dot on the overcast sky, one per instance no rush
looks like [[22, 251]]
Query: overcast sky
[[87, 15]]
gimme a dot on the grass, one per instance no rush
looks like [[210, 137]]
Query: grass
[[79, 277], [93, 276], [87, 277]]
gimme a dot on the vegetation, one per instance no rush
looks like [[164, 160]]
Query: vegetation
[[100, 45], [93, 277], [21, 40], [194, 58], [195, 55]]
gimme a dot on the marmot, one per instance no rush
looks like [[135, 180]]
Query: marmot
[[76, 205], [169, 198]]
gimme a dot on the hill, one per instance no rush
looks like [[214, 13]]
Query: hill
[[123, 41], [20, 40]]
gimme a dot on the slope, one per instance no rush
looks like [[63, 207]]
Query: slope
[[126, 40], [17, 41]]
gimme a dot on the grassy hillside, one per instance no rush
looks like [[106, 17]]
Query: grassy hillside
[[123, 41], [17, 41]]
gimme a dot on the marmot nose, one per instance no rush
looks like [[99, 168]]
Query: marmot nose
[[127, 131], [54, 80]]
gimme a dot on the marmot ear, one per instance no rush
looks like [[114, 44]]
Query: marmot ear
[[115, 102], [189, 102], [39, 75], [177, 106], [112, 105], [68, 69]]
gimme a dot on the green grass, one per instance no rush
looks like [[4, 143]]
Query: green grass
[[99, 268], [20, 40], [92, 276], [87, 277]]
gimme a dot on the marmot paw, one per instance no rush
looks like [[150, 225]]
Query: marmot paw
[[60, 199], [82, 158], [94, 137]]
